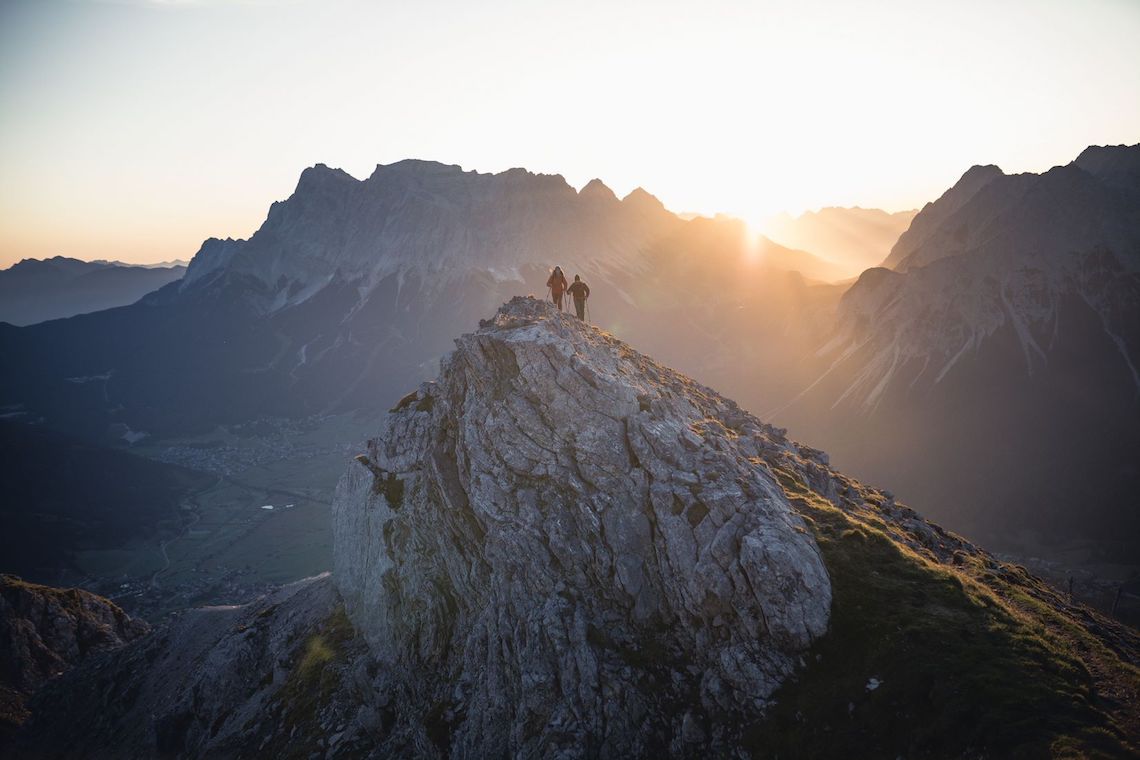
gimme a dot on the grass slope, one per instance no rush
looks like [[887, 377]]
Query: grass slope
[[970, 658]]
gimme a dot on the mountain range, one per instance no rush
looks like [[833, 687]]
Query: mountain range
[[351, 290], [986, 371], [34, 290]]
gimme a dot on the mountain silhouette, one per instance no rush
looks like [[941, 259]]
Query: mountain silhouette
[[34, 291]]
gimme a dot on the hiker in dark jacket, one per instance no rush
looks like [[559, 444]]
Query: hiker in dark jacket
[[580, 291], [557, 284]]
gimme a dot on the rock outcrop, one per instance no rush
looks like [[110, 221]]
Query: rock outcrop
[[575, 547], [45, 631]]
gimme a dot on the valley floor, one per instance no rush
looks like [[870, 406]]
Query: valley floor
[[263, 521]]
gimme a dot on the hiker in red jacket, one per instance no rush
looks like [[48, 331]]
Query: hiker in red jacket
[[557, 285], [580, 291]]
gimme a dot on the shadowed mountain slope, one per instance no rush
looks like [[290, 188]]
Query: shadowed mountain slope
[[63, 495], [992, 373]]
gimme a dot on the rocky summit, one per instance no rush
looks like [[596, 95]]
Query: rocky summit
[[561, 548], [575, 549]]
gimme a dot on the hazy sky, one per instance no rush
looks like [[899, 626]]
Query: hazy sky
[[134, 129]]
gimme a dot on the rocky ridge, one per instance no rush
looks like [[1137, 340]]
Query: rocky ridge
[[562, 548], [435, 220], [576, 547], [1021, 252]]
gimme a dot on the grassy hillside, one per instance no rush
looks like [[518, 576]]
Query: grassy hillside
[[937, 650]]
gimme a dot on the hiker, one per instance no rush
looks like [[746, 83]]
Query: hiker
[[580, 291], [557, 285]]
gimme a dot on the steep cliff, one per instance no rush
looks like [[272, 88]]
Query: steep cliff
[[572, 546], [562, 548]]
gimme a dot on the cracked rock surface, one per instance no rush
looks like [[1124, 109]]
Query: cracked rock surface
[[562, 548]]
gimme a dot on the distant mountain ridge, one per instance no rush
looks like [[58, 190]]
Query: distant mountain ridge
[[1000, 250], [434, 219], [35, 290], [995, 363], [852, 239]]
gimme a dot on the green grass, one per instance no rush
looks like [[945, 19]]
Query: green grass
[[962, 675]]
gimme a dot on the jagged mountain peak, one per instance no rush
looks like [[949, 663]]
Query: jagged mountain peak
[[595, 189], [433, 219], [642, 198], [417, 166], [440, 175], [1002, 256], [933, 214], [323, 172], [1116, 165], [978, 175], [1097, 157]]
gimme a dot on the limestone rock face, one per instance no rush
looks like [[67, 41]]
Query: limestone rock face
[[437, 221], [562, 548]]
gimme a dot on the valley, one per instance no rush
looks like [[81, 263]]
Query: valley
[[226, 547]]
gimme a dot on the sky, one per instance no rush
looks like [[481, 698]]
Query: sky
[[135, 129]]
